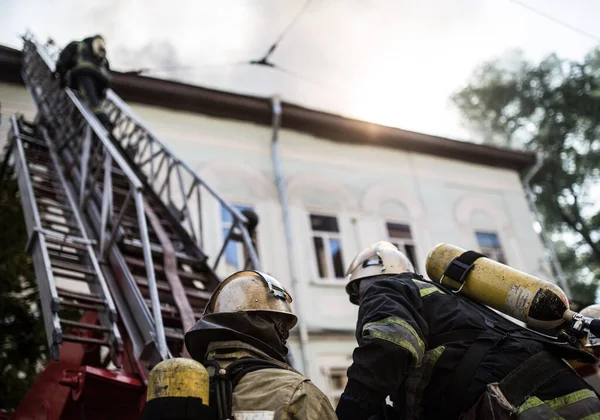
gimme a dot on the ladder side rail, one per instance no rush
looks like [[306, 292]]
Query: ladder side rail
[[173, 180], [33, 74], [36, 246], [133, 311], [111, 322]]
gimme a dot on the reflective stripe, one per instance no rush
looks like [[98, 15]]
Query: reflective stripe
[[430, 290], [253, 415], [529, 403], [560, 402], [592, 417], [571, 398], [399, 332], [426, 288], [418, 381]]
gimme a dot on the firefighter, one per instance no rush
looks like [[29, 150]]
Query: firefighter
[[589, 371], [83, 66], [438, 355], [241, 339]]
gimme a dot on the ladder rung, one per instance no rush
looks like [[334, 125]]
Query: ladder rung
[[57, 205], [170, 311], [82, 325], [83, 306], [72, 267], [80, 296], [57, 241], [158, 268], [164, 287], [173, 333], [84, 340], [57, 223], [71, 276], [65, 256], [131, 247]]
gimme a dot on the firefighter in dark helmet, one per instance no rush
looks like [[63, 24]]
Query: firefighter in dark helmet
[[439, 356], [241, 339], [83, 66]]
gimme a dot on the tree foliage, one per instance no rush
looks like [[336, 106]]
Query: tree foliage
[[552, 107], [22, 337]]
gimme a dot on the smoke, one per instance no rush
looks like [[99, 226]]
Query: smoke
[[161, 57]]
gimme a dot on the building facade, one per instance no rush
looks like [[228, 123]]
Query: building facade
[[349, 184]]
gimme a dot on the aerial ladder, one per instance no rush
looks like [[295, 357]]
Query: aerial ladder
[[115, 230]]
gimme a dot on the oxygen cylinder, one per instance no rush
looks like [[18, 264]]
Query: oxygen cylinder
[[536, 302], [178, 389]]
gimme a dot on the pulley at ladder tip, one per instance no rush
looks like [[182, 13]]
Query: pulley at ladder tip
[[536, 302], [178, 389]]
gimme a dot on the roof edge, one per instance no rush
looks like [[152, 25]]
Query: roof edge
[[180, 96]]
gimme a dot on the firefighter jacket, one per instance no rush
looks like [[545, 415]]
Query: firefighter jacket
[[412, 338], [265, 394], [77, 59]]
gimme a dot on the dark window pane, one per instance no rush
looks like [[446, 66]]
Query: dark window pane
[[226, 216], [338, 379], [398, 230], [324, 223], [488, 240], [410, 253], [500, 257], [321, 257], [336, 255], [231, 254]]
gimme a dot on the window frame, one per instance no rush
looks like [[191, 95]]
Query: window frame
[[241, 254], [403, 241], [495, 250], [326, 236], [335, 394]]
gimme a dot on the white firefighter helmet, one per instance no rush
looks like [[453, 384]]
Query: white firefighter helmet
[[99, 46], [379, 258], [592, 311], [252, 291]]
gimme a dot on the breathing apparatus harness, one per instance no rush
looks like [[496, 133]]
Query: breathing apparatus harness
[[530, 375], [224, 380]]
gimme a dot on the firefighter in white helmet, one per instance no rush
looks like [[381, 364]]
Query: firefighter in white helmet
[[439, 356], [589, 371], [241, 339]]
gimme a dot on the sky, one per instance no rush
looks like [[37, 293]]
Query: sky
[[393, 62]]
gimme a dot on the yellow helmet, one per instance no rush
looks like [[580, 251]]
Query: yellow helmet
[[379, 258], [252, 291]]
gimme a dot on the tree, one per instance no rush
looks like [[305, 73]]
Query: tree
[[552, 107], [23, 346]]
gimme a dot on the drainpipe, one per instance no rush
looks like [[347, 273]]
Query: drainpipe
[[276, 106], [560, 275]]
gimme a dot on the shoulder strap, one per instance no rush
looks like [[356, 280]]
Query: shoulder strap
[[466, 368], [223, 382], [460, 266], [241, 367]]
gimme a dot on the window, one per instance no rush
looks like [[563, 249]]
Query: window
[[236, 255], [337, 382], [490, 246], [399, 234], [328, 248]]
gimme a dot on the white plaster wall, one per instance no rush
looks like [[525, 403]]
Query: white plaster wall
[[326, 352], [443, 200], [14, 99]]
